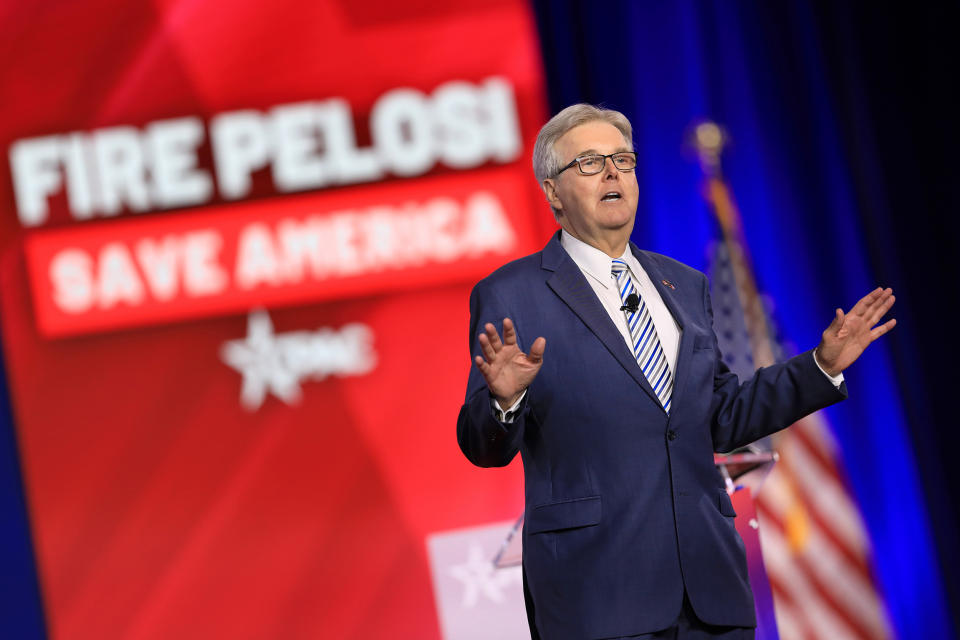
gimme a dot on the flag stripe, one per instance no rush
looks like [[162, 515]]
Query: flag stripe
[[825, 496], [823, 618], [817, 498], [849, 597], [791, 624], [820, 436], [807, 433]]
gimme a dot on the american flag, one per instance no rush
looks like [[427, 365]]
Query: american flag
[[815, 546]]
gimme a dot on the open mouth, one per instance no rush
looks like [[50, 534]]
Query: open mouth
[[612, 196]]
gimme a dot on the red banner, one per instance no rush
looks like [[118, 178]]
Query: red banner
[[237, 247], [298, 249]]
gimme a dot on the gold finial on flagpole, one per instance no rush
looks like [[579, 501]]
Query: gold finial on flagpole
[[709, 139]]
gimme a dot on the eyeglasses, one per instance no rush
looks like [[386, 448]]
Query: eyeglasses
[[589, 165]]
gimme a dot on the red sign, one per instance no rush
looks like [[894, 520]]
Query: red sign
[[237, 247], [398, 236]]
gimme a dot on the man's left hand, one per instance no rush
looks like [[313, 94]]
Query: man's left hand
[[849, 334]]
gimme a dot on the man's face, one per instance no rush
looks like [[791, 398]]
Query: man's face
[[593, 208]]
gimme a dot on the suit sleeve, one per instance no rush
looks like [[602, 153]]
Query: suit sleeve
[[773, 399], [483, 439]]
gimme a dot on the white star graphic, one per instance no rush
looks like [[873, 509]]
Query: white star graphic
[[259, 358], [479, 576]]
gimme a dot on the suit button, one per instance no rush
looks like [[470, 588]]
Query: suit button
[[671, 435]]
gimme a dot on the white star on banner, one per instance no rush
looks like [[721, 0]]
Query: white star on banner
[[479, 576], [276, 363], [260, 360]]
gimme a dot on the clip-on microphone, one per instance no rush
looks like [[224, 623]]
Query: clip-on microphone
[[633, 303]]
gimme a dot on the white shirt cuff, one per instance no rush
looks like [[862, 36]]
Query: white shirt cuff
[[506, 417], [837, 380]]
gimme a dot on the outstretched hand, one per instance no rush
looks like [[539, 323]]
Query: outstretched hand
[[849, 335], [507, 370]]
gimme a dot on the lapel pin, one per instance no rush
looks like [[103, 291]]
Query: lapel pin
[[667, 283]]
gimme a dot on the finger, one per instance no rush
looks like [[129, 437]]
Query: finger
[[836, 324], [878, 301], [881, 310], [493, 337], [837, 321], [486, 348], [536, 350], [864, 304], [482, 366], [841, 331], [509, 333], [865, 301], [870, 311], [882, 329]]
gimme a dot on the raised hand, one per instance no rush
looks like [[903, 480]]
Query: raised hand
[[848, 335], [507, 370]]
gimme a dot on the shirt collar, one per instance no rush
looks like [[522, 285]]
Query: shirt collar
[[591, 260]]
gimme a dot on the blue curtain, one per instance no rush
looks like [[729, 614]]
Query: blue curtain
[[780, 79], [21, 613]]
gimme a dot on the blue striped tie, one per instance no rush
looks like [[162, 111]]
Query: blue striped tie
[[646, 342]]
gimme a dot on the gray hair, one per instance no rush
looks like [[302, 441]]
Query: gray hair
[[546, 163]]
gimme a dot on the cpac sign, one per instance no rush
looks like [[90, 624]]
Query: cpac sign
[[305, 145]]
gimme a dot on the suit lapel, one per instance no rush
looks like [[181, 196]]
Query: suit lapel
[[569, 283], [669, 297]]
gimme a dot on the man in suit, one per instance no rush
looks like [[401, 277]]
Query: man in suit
[[629, 531]]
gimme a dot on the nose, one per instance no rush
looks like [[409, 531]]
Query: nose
[[609, 169]]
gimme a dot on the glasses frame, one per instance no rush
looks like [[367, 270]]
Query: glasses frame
[[576, 162]]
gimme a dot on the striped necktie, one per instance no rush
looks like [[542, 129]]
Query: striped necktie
[[646, 343]]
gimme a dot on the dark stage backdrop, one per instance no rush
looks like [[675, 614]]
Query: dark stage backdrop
[[842, 163]]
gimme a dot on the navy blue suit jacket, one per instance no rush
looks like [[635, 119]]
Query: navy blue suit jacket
[[624, 507]]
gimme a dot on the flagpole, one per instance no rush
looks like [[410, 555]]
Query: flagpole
[[709, 140]]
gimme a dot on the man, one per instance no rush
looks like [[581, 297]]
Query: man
[[629, 531]]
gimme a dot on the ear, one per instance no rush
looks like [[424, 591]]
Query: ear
[[550, 190]]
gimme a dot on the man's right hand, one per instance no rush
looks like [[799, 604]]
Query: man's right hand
[[507, 370]]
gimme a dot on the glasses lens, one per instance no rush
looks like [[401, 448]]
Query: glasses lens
[[591, 164], [624, 161]]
